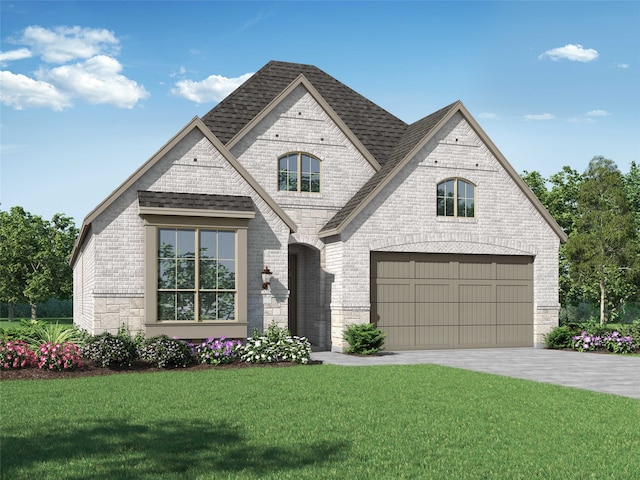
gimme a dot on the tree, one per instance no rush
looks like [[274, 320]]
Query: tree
[[632, 188], [602, 247], [562, 203], [34, 256]]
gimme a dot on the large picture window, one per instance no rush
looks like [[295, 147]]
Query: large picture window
[[299, 172], [455, 198], [196, 274]]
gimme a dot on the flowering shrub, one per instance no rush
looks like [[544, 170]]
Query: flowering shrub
[[58, 356], [165, 352], [585, 342], [217, 351], [109, 350], [278, 345], [16, 354], [617, 343]]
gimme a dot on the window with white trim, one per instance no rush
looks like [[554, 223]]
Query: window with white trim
[[196, 274], [298, 172], [455, 198]]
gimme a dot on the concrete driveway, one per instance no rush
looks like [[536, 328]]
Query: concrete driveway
[[616, 374]]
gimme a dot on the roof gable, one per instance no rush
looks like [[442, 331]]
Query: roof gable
[[415, 137], [377, 130], [195, 123]]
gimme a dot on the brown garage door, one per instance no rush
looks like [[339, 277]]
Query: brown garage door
[[452, 301]]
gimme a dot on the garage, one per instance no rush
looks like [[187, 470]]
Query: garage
[[431, 301]]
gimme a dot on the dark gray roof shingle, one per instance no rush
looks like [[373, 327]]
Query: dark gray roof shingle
[[378, 130], [412, 136], [196, 201]]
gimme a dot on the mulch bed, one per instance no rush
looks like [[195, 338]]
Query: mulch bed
[[90, 369]]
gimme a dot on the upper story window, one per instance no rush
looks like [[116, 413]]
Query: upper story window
[[456, 198], [298, 172]]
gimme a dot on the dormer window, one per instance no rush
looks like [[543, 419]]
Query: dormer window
[[298, 172], [456, 198]]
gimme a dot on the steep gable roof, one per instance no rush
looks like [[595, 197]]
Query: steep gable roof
[[378, 130], [414, 138]]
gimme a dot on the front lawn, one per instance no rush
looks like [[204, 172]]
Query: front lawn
[[314, 422]]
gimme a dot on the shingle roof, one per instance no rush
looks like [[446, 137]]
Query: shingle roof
[[196, 201], [378, 130], [412, 136]]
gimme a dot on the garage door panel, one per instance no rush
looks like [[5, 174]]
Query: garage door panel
[[476, 267], [515, 335], [394, 293], [475, 293], [477, 314], [514, 293], [436, 336], [432, 293], [435, 313], [439, 266], [517, 268], [452, 301], [400, 337], [483, 335], [515, 314], [392, 266], [395, 315]]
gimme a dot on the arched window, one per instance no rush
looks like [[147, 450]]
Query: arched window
[[456, 198], [298, 172]]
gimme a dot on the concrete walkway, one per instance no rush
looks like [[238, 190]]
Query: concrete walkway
[[614, 374]]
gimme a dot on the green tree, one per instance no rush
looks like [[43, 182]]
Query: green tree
[[34, 256], [632, 188], [561, 200], [602, 247]]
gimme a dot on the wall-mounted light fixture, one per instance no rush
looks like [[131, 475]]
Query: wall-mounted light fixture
[[266, 278]]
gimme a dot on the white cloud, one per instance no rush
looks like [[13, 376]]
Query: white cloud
[[64, 44], [20, 92], [96, 81], [576, 53], [18, 54], [581, 120], [597, 113], [543, 116], [489, 116], [95, 78], [621, 65], [212, 89]]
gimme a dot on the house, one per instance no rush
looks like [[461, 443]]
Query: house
[[424, 229]]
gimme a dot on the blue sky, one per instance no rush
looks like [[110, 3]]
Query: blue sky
[[90, 90]]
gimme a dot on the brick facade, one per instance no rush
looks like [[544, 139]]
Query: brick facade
[[333, 272]]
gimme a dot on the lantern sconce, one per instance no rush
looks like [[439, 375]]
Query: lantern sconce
[[266, 278]]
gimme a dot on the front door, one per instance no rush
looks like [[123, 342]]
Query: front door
[[293, 294]]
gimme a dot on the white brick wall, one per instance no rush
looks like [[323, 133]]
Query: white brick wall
[[403, 218], [110, 271]]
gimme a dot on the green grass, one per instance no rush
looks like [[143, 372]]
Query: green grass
[[315, 422], [5, 323]]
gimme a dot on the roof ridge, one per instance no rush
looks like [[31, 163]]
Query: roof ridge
[[376, 128]]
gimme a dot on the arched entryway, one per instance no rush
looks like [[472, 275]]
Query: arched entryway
[[308, 309]]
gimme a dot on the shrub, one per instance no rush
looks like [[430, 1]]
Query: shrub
[[276, 345], [38, 332], [165, 352], [617, 343], [364, 339], [58, 356], [632, 331], [109, 350], [585, 342], [559, 337], [217, 351], [16, 354]]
